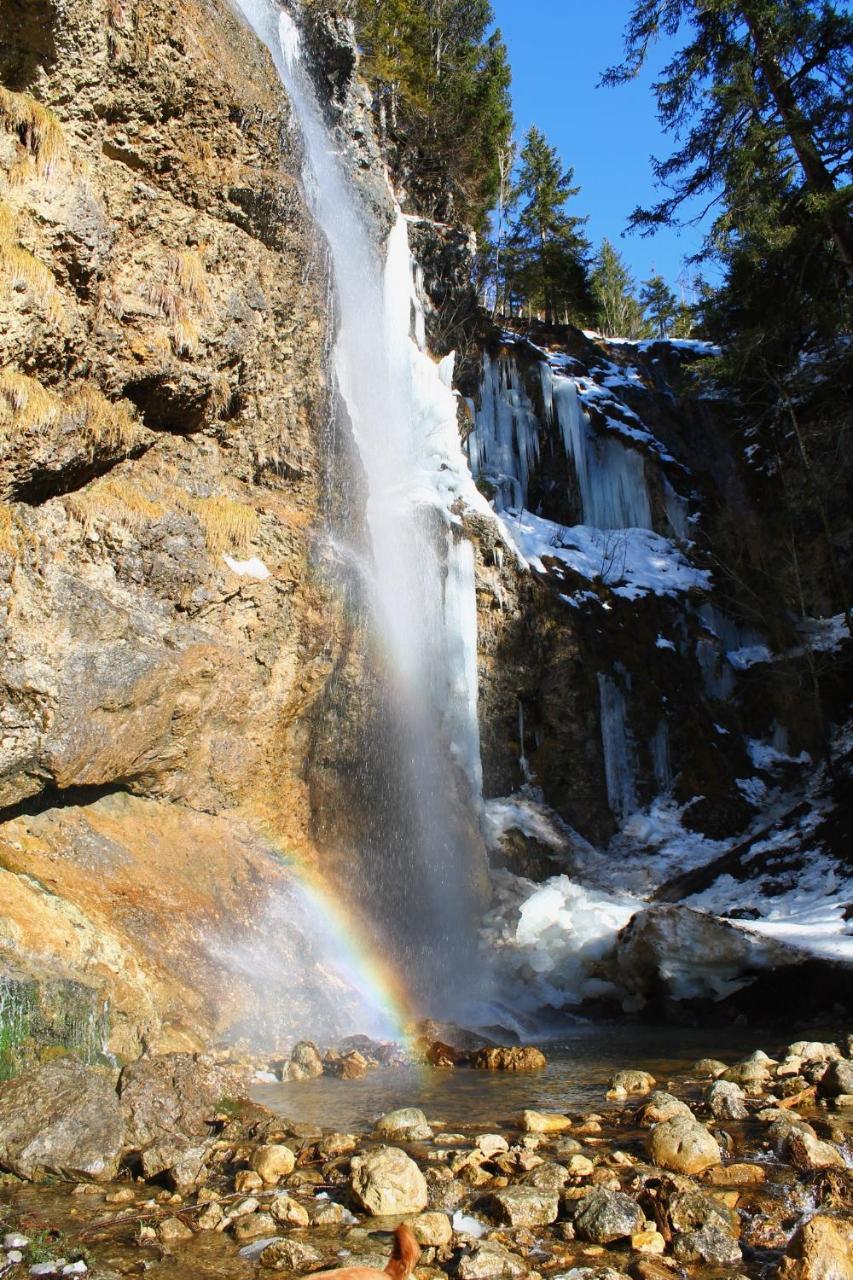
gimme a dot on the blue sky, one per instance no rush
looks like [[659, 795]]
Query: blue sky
[[558, 50]]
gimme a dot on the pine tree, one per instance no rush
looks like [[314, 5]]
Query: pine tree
[[660, 303], [547, 249], [618, 312], [764, 81]]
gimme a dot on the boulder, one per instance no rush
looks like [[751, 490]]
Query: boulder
[[62, 1119], [837, 1080], [605, 1216], [386, 1181], [509, 1058], [821, 1249], [726, 1101], [548, 1176], [625, 1082], [806, 1152], [684, 1146], [522, 1206], [544, 1122], [407, 1124], [173, 1093], [691, 1211], [306, 1062], [289, 1254]]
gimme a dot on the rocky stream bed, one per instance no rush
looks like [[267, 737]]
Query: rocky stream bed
[[722, 1170]]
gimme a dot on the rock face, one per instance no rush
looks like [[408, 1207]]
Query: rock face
[[63, 1118]]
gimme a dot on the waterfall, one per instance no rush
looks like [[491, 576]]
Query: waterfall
[[403, 417]]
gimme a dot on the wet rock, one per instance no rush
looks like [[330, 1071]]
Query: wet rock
[[247, 1180], [289, 1212], [736, 1175], [338, 1144], [210, 1217], [593, 1273], [172, 1229], [547, 1177], [328, 1213], [445, 1192], [662, 1106], [491, 1261], [272, 1162], [711, 1244], [289, 1255], [648, 1242], [439, 1054], [352, 1066], [386, 1181], [580, 1166], [710, 1067], [750, 1072], [509, 1058], [726, 1101], [691, 1211], [625, 1082], [544, 1122], [683, 1145], [407, 1124], [806, 1152], [62, 1118], [821, 1249], [431, 1230], [491, 1144], [605, 1216], [252, 1226], [837, 1080], [306, 1062], [521, 1206], [813, 1050]]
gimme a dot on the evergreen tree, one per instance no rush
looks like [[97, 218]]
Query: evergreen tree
[[759, 99], [660, 303], [547, 250], [618, 312]]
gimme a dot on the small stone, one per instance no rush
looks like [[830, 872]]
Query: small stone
[[273, 1162], [522, 1206], [606, 1216], [328, 1213], [648, 1242], [837, 1080], [210, 1217], [750, 1072], [14, 1240], [491, 1143], [683, 1145], [580, 1166], [726, 1101], [710, 1067], [407, 1124], [249, 1205], [171, 1229], [289, 1212], [123, 1196], [14, 1256], [432, 1230], [736, 1175], [247, 1180], [547, 1176], [544, 1122]]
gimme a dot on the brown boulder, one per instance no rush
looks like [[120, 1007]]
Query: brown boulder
[[509, 1058]]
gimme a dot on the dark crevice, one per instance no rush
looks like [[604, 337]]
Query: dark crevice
[[55, 484], [54, 797], [168, 406]]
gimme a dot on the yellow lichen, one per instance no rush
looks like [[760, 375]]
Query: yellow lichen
[[37, 128], [117, 499], [27, 405]]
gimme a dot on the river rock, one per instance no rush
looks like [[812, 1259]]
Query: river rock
[[272, 1162], [806, 1152], [289, 1254], [63, 1118], [607, 1215], [254, 1226], [548, 1176], [625, 1082], [837, 1079], [691, 1211], [711, 1244], [328, 1213], [813, 1050], [306, 1062], [172, 1229], [491, 1261], [289, 1212], [821, 1249], [662, 1106], [544, 1122], [683, 1145], [710, 1067], [407, 1124], [726, 1101], [491, 1144], [431, 1230], [509, 1058], [386, 1181], [522, 1206]]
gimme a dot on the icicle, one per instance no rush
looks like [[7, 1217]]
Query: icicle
[[618, 749], [659, 749]]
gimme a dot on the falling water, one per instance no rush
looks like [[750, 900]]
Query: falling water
[[403, 418]]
